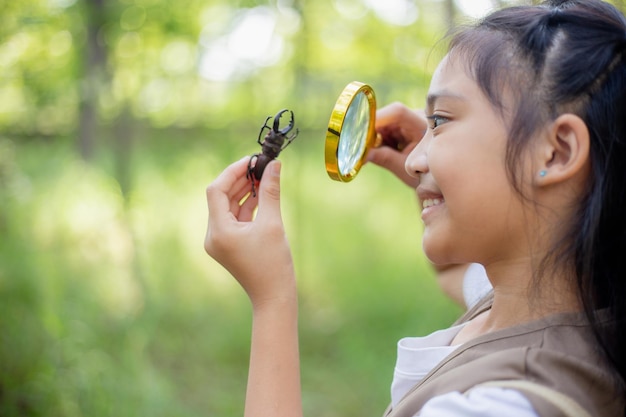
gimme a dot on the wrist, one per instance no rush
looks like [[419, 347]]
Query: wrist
[[281, 295], [285, 302]]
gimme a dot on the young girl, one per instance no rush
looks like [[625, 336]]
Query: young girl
[[522, 169]]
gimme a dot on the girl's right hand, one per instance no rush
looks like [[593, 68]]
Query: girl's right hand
[[401, 129], [254, 249]]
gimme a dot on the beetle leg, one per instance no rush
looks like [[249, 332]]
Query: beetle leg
[[265, 126], [250, 172], [289, 139]]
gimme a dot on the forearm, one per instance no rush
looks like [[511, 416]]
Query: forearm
[[274, 376], [234, 235]]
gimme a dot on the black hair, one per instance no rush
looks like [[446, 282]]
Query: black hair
[[568, 57]]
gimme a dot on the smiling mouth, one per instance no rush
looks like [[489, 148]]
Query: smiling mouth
[[431, 202]]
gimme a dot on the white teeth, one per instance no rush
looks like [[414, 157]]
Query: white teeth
[[429, 202]]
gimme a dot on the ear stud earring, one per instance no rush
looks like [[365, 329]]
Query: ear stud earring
[[543, 173]]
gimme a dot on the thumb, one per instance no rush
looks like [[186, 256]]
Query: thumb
[[388, 158], [393, 161], [269, 190]]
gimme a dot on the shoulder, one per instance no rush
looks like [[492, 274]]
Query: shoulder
[[556, 352], [481, 401]]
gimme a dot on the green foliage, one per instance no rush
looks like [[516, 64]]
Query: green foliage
[[60, 57], [109, 305]]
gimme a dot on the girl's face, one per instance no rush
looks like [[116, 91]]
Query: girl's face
[[471, 212]]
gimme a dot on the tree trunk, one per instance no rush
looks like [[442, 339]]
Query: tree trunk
[[450, 14], [94, 70]]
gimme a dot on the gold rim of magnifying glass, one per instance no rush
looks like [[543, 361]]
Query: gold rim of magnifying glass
[[335, 125]]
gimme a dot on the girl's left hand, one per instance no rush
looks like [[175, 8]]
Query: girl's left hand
[[401, 130], [254, 249]]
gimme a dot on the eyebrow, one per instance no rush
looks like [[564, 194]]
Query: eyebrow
[[432, 98]]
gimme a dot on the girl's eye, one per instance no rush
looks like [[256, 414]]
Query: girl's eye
[[436, 121]]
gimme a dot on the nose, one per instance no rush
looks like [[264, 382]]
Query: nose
[[417, 161]]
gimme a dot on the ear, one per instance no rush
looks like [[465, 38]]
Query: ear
[[565, 152]]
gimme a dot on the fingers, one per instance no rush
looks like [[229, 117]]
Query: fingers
[[401, 129], [399, 114], [229, 197], [400, 125], [223, 197], [223, 194], [231, 176], [394, 161], [269, 192], [232, 209], [246, 205], [241, 197]]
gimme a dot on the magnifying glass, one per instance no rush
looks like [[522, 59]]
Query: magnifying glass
[[350, 132]]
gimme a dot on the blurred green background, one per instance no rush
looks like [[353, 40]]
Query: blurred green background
[[114, 116]]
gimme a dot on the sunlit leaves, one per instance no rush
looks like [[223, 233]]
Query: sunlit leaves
[[165, 61], [210, 63]]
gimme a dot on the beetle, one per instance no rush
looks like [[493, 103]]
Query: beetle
[[272, 145]]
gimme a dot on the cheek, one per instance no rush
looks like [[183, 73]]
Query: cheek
[[452, 166], [478, 207], [469, 163], [476, 193]]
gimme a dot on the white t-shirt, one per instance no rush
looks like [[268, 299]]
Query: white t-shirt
[[418, 355], [475, 284]]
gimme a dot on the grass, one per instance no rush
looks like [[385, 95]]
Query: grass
[[109, 305]]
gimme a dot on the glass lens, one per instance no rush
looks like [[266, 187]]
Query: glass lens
[[353, 134]]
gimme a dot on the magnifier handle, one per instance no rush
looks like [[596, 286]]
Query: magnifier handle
[[378, 142], [389, 141]]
